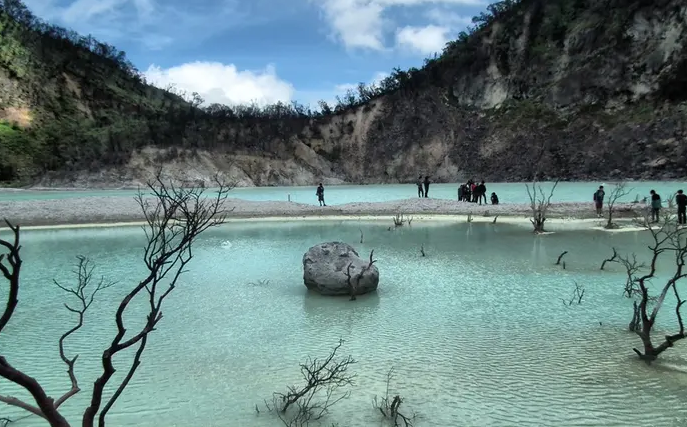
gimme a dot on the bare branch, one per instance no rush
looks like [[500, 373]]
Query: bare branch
[[540, 204], [84, 273], [173, 223], [577, 295], [11, 273], [353, 284], [667, 240], [45, 406], [614, 258], [400, 220], [389, 406], [560, 257], [618, 191], [323, 381]]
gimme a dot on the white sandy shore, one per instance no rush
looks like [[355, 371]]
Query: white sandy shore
[[118, 211]]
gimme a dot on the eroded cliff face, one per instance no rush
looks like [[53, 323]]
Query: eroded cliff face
[[556, 90]]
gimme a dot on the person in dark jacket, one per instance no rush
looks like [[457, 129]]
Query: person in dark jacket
[[482, 193], [681, 202], [655, 205], [494, 199], [427, 182], [320, 195], [599, 200]]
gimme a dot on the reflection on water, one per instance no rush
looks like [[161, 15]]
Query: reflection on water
[[476, 330]]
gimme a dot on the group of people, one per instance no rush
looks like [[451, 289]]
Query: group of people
[[475, 193], [655, 204], [422, 186], [468, 192]]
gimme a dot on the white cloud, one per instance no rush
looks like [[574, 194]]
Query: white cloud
[[425, 40], [153, 23], [363, 23], [358, 23], [87, 9], [445, 17], [224, 84]]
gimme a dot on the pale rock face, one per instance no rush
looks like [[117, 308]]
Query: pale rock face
[[325, 266]]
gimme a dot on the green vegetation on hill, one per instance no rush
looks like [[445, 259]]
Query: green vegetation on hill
[[70, 103]]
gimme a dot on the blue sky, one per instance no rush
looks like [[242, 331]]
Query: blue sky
[[233, 51]]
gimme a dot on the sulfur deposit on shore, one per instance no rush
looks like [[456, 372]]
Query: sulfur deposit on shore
[[107, 210]]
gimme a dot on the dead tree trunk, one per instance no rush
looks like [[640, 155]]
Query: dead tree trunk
[[173, 222], [667, 240], [354, 283], [611, 259], [618, 191], [540, 204]]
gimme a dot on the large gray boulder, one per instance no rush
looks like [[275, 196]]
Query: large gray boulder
[[325, 266]]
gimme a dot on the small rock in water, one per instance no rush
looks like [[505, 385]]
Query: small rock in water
[[325, 266]]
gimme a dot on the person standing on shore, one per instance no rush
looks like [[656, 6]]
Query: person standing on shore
[[599, 200], [427, 182], [655, 205], [320, 195], [681, 202], [482, 193], [420, 192]]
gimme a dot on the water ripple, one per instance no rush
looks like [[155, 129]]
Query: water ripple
[[476, 331]]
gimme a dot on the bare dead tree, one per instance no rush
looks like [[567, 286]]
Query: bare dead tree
[[667, 240], [400, 220], [540, 204], [560, 257], [389, 406], [173, 222], [632, 267], [577, 295], [323, 384], [469, 218], [362, 236], [422, 250], [614, 258], [353, 284], [618, 191], [495, 218], [635, 324], [632, 289]]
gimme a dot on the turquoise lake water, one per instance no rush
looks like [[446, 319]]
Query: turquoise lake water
[[476, 331], [340, 194]]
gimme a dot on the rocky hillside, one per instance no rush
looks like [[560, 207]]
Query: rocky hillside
[[570, 89]]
